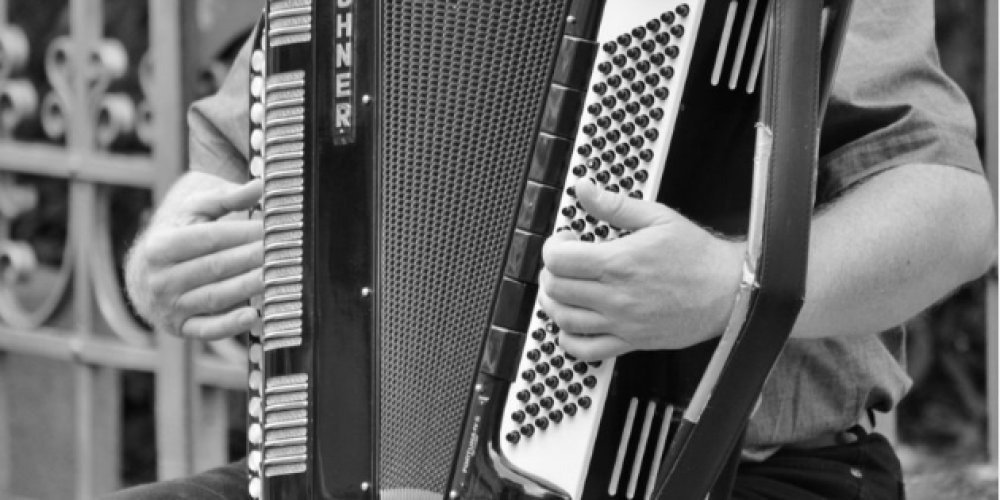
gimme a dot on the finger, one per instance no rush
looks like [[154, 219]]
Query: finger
[[213, 268], [594, 347], [586, 294], [619, 210], [197, 240], [570, 258], [220, 326], [230, 198], [574, 320], [216, 297]]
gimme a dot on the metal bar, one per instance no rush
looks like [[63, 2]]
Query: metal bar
[[98, 420], [172, 38], [55, 344], [5, 422], [212, 436], [992, 140], [97, 167], [219, 374], [51, 343]]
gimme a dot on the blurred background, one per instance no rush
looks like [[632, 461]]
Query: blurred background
[[92, 99]]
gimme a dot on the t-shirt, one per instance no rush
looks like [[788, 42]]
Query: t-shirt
[[891, 106]]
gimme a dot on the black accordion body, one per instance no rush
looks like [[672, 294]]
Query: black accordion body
[[417, 153]]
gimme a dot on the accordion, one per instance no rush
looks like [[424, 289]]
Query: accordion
[[415, 156]]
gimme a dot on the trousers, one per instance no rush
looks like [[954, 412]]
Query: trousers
[[866, 469]]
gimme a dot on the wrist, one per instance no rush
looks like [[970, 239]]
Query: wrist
[[727, 278]]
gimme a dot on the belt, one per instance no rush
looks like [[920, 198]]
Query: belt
[[865, 426]]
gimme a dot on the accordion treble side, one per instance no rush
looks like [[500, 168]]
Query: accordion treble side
[[392, 138]]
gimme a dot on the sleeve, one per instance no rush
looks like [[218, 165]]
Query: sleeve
[[219, 124], [892, 104]]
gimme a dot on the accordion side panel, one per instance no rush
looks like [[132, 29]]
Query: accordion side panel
[[462, 90]]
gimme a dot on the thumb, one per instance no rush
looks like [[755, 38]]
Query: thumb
[[618, 209]]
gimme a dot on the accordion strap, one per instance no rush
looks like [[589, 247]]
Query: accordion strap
[[796, 82]]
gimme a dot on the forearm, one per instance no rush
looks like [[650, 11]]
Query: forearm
[[893, 246]]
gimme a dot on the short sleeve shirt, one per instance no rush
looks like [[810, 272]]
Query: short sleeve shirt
[[891, 106]]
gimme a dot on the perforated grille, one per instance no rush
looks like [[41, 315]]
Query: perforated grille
[[464, 82]]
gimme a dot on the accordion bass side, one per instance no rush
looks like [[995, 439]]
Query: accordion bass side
[[415, 156]]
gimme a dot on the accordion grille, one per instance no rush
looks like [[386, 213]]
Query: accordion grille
[[463, 85]]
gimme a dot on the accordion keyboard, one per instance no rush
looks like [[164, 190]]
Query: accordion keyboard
[[553, 410]]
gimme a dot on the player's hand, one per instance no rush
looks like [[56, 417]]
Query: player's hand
[[668, 285], [193, 273]]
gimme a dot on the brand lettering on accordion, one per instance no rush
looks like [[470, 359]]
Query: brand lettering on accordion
[[470, 451], [343, 115]]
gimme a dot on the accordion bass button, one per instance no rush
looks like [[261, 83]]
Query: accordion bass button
[[527, 430], [569, 409], [654, 25], [590, 382], [585, 402], [551, 383], [542, 423], [517, 416], [513, 437], [523, 396], [556, 416], [557, 361], [532, 409], [547, 403], [575, 388], [562, 395]]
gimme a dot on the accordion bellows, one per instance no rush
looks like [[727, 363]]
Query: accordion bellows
[[463, 88]]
